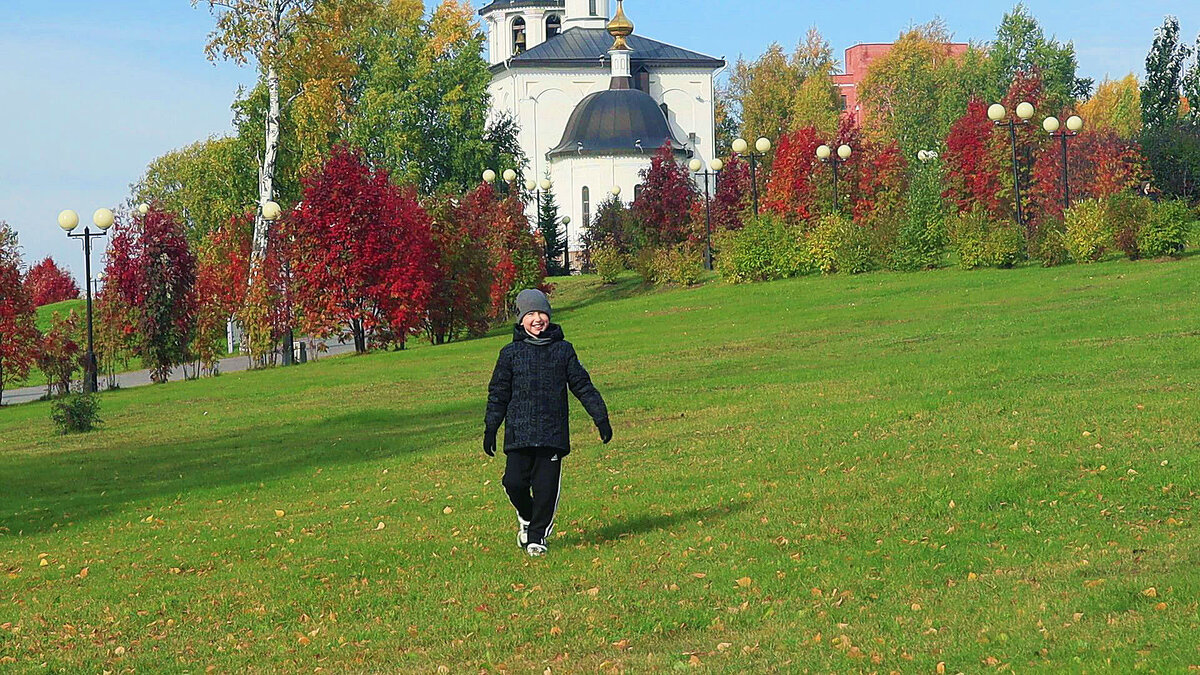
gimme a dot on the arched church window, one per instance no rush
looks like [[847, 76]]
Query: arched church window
[[587, 207], [518, 33], [553, 26], [592, 8], [637, 192]]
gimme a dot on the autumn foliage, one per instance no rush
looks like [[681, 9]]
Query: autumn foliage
[[663, 208], [462, 276], [48, 283], [18, 330], [791, 190], [974, 161], [516, 256], [362, 251]]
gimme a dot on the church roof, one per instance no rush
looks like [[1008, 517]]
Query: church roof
[[588, 47], [505, 4], [615, 122]]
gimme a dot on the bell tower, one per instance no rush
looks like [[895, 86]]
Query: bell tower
[[515, 27], [586, 14]]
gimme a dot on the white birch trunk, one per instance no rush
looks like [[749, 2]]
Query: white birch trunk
[[266, 171]]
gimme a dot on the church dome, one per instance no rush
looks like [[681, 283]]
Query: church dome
[[616, 122]]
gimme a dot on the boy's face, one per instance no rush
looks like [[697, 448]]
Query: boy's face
[[535, 323]]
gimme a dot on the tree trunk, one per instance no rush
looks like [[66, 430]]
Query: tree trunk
[[266, 171]]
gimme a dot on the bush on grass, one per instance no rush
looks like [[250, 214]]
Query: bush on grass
[[1165, 232], [765, 249], [682, 265], [609, 263], [1088, 232], [76, 413]]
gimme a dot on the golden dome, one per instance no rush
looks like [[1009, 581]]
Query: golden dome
[[620, 28]]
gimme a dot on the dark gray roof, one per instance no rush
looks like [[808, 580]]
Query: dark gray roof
[[613, 122], [505, 4], [589, 47]]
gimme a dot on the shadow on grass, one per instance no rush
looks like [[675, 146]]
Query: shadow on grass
[[43, 492], [624, 529], [624, 287]]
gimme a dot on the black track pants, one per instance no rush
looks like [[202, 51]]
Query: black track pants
[[536, 470]]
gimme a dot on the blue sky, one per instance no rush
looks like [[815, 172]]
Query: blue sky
[[92, 91]]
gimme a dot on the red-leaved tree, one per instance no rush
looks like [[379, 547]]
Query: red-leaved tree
[[152, 268], [19, 339], [60, 355], [974, 161], [462, 279], [362, 254], [222, 279], [791, 191], [1099, 163], [48, 283], [663, 207], [516, 256], [732, 198]]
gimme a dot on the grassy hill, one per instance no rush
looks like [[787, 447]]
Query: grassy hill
[[873, 473], [45, 313]]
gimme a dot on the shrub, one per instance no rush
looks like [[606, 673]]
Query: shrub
[[766, 248], [838, 244], [1165, 232], [643, 263], [1088, 233], [968, 236], [922, 235], [609, 263], [681, 264], [1005, 247], [1049, 246], [76, 413], [1126, 213]]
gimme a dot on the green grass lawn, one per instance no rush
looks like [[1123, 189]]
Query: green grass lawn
[[873, 473]]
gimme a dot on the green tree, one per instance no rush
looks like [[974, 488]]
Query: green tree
[[915, 92], [1164, 67], [421, 106], [777, 93], [1021, 46], [552, 233], [1116, 106], [203, 185]]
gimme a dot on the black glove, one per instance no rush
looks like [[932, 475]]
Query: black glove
[[605, 430], [489, 442]]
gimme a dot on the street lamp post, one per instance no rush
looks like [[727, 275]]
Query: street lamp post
[[509, 177], [271, 212], [761, 147], [1052, 126], [566, 220], [997, 114], [69, 220], [825, 154], [697, 167]]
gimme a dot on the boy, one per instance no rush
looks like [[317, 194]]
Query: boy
[[528, 392]]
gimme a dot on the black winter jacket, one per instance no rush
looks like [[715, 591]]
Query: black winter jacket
[[528, 392]]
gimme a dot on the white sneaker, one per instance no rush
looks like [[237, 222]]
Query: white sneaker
[[522, 532], [535, 550]]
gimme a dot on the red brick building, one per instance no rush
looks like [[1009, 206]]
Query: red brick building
[[858, 59]]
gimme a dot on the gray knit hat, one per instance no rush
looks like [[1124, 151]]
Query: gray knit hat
[[532, 300]]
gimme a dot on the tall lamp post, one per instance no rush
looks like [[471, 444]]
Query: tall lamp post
[[69, 220], [825, 154], [997, 114], [761, 147], [697, 167], [1053, 126], [271, 213]]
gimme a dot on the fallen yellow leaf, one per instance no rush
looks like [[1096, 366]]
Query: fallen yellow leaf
[[941, 667], [1151, 592], [447, 510], [555, 630], [83, 573], [722, 646], [916, 607], [1160, 606], [380, 526], [744, 582], [44, 562], [694, 661]]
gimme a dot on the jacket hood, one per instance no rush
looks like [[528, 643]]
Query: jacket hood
[[554, 333]]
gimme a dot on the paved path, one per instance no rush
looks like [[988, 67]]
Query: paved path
[[140, 378]]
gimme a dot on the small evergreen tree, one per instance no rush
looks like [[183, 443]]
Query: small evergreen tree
[[552, 233]]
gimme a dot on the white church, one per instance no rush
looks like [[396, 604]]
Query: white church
[[594, 101]]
